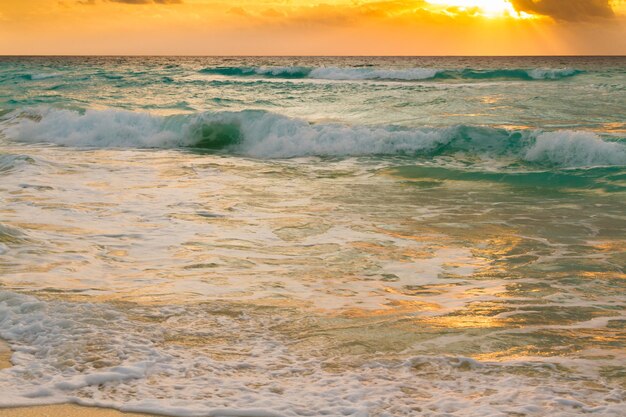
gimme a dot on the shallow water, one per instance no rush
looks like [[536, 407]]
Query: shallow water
[[314, 236]]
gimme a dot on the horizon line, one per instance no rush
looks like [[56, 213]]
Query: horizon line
[[306, 56]]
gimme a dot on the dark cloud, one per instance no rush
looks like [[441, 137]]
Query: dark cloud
[[571, 10]]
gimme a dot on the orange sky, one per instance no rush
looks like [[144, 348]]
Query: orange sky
[[311, 27]]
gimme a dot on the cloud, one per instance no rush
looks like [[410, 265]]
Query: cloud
[[148, 1], [321, 14], [93, 2], [239, 11], [569, 10]]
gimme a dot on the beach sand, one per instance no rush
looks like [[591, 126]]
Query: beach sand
[[64, 410], [5, 355]]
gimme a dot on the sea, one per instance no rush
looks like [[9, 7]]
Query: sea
[[315, 236]]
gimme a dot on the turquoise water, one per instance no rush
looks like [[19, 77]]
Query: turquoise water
[[315, 236]]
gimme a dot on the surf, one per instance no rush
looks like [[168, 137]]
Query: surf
[[407, 74], [264, 134]]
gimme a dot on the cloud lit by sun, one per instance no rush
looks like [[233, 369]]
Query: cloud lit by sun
[[487, 8], [317, 27]]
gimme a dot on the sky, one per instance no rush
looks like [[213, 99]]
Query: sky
[[312, 27]]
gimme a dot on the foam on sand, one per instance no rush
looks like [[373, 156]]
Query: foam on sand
[[96, 355]]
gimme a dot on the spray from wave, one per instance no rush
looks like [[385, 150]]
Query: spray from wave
[[409, 74], [269, 135]]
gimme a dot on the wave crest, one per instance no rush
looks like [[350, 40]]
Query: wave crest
[[39, 77], [574, 149], [278, 72], [408, 74], [268, 135]]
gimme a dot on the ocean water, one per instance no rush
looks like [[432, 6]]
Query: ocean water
[[364, 237]]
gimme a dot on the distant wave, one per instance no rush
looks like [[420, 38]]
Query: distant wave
[[38, 77], [279, 72], [270, 135], [409, 74]]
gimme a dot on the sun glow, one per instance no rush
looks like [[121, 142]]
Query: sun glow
[[488, 8]]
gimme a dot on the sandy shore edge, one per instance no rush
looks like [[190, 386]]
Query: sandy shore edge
[[64, 410], [5, 355]]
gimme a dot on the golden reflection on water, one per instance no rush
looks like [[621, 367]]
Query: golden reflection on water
[[393, 308], [470, 318], [603, 275], [465, 322], [490, 99], [616, 127], [387, 253], [56, 228], [426, 234]]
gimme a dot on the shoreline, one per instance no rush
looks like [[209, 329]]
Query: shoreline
[[66, 410], [60, 410], [5, 355]]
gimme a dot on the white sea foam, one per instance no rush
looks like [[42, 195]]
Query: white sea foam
[[373, 74], [397, 74], [93, 128], [42, 76], [93, 354], [281, 71], [417, 74], [575, 149], [551, 73]]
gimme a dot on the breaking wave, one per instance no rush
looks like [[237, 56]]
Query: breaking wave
[[409, 74], [269, 135], [38, 77]]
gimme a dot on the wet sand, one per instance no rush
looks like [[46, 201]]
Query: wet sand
[[5, 355], [64, 410]]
